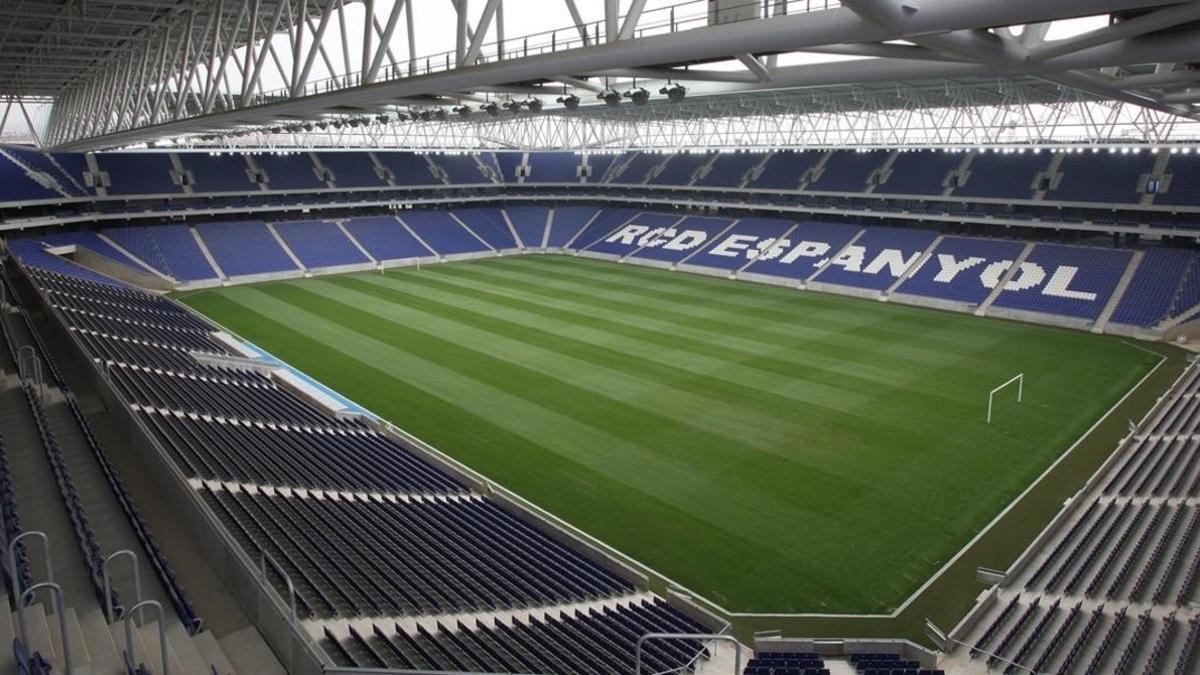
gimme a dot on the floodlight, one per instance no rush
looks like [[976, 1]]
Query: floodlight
[[610, 98], [675, 92], [638, 95], [570, 101]]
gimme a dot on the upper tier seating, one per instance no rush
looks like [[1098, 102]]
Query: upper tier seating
[[290, 171], [638, 169], [138, 173], [351, 169], [243, 248], [442, 233], [685, 238], [61, 168], [741, 245], [786, 663], [16, 185], [488, 224], [729, 169], [530, 223], [1115, 179], [1185, 177], [386, 239], [785, 169], [508, 163], [170, 249], [878, 258], [553, 167], [568, 221], [1067, 280], [959, 269], [920, 173], [319, 243], [680, 168], [408, 168], [800, 253], [461, 169], [1003, 175], [1154, 287], [218, 173], [598, 164], [848, 170]]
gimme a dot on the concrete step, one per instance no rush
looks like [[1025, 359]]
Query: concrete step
[[206, 643], [39, 632], [80, 658], [150, 639], [117, 630], [8, 631], [184, 648], [249, 653], [105, 657]]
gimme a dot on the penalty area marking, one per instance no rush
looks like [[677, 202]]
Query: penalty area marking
[[1019, 379]]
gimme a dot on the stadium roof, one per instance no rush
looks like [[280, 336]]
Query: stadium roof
[[124, 72]]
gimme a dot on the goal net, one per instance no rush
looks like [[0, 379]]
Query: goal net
[[1018, 380]]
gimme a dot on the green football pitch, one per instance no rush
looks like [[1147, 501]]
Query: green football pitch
[[771, 450]]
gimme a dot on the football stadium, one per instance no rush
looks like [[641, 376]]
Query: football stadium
[[599, 337]]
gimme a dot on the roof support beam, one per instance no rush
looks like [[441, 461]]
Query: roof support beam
[[385, 39], [481, 29], [755, 67], [631, 19], [1140, 25]]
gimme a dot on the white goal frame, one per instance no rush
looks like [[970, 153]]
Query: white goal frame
[[1019, 379]]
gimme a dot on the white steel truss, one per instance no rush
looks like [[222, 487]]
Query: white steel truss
[[124, 72]]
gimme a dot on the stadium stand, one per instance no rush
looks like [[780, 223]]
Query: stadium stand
[[598, 165], [878, 258], [1156, 287], [65, 170], [641, 230], [508, 163], [729, 169], [785, 169], [270, 462], [1115, 180], [461, 169], [442, 233], [957, 269], [217, 172], [91, 241], [605, 222], [567, 223], [17, 185], [351, 169], [170, 249], [293, 171], [680, 168], [1001, 175], [530, 223], [683, 239], [743, 244], [1185, 173], [800, 252], [922, 172], [386, 239], [319, 243], [1079, 285], [408, 168], [1121, 547], [635, 168], [849, 170], [146, 173], [489, 225], [244, 248], [554, 167]]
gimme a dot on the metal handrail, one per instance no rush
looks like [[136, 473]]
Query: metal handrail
[[12, 558], [137, 580], [711, 637], [57, 595], [263, 558], [162, 634], [23, 370]]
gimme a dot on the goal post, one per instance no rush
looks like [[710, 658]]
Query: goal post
[[1019, 380]]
